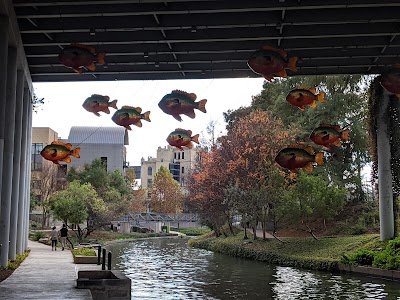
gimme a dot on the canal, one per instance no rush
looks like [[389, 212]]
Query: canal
[[169, 269]]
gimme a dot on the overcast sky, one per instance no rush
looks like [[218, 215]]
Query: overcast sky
[[63, 107]]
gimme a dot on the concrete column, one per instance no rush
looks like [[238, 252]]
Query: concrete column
[[386, 217], [23, 171], [3, 82], [16, 166], [28, 174], [8, 154]]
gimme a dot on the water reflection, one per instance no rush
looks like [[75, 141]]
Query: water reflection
[[168, 269]]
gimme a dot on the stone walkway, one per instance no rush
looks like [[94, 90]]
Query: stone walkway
[[44, 274]]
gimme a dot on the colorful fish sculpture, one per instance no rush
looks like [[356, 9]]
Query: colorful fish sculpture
[[182, 138], [390, 80], [270, 62], [180, 102], [303, 96], [129, 115], [59, 151], [97, 103], [299, 157], [76, 56], [327, 135]]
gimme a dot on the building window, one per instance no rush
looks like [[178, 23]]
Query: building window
[[149, 182], [175, 155], [104, 161], [149, 171], [179, 156], [183, 155], [37, 148], [183, 170], [36, 161]]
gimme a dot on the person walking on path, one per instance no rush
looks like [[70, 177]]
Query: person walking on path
[[63, 236], [54, 238]]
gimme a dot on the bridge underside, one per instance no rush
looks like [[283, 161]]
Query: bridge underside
[[208, 39]]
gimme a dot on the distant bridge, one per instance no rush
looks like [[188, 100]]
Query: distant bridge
[[183, 220]]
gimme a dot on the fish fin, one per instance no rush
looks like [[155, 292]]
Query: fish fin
[[345, 134], [113, 104], [282, 74], [55, 162], [202, 105], [68, 146], [189, 145], [319, 158], [100, 58], [107, 98], [128, 127], [281, 52], [337, 143], [309, 149], [146, 116], [336, 127], [312, 90], [313, 105], [178, 117], [309, 168], [193, 96], [106, 110], [77, 70], [138, 109], [128, 107], [97, 114], [91, 67], [190, 95], [320, 97], [180, 129], [189, 132], [138, 124], [76, 152], [398, 95], [301, 107], [67, 159], [191, 114], [292, 63], [195, 138], [179, 147], [269, 77], [90, 48]]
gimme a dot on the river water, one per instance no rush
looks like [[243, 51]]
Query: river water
[[169, 269]]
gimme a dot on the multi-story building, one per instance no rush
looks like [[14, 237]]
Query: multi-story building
[[177, 162], [105, 143]]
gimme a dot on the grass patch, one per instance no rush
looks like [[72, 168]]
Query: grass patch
[[84, 252], [193, 231]]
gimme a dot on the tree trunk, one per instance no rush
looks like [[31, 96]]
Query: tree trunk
[[254, 232], [310, 231], [263, 224], [230, 227], [274, 235], [245, 231]]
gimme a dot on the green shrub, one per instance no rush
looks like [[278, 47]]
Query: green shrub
[[38, 235], [84, 252], [12, 265], [193, 231], [360, 257]]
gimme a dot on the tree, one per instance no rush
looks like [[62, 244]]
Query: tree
[[166, 195]]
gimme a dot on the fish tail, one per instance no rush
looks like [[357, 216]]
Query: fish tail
[[113, 104], [202, 105], [292, 63], [146, 116], [195, 138], [75, 152], [319, 158], [320, 97], [100, 58], [345, 134]]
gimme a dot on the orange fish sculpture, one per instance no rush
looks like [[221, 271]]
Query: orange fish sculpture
[[303, 96], [327, 135], [59, 151], [129, 115], [97, 103], [76, 56], [182, 138], [390, 80], [270, 62], [299, 157]]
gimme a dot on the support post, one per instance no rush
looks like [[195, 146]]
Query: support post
[[103, 261], [16, 166], [386, 216], [98, 254], [109, 258], [8, 154]]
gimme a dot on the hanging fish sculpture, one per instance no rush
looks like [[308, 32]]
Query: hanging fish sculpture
[[390, 80], [59, 151], [76, 56], [299, 157], [182, 138], [270, 62], [180, 102], [303, 96], [97, 103], [129, 115], [327, 135]]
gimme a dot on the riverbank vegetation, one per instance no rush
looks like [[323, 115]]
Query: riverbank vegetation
[[193, 231]]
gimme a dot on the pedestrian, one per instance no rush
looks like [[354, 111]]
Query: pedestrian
[[53, 237], [63, 236]]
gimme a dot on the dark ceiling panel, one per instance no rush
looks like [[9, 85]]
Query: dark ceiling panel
[[180, 39]]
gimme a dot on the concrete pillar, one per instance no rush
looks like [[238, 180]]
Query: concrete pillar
[[8, 154], [16, 166], [23, 172], [3, 82], [386, 217]]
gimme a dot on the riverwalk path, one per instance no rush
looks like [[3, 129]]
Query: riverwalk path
[[45, 274]]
